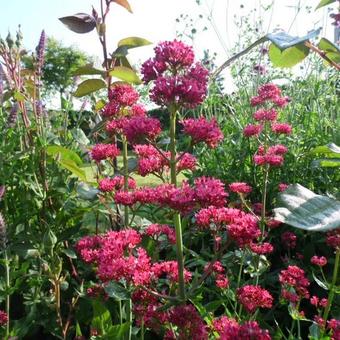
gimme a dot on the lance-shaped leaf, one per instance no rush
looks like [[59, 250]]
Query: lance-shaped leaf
[[87, 70], [61, 153], [303, 209], [125, 74], [74, 168], [332, 51], [124, 3], [323, 3], [79, 23], [88, 86]]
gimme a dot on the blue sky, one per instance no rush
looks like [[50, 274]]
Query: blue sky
[[155, 21]]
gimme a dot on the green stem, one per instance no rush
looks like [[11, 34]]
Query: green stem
[[142, 330], [129, 317], [177, 217], [126, 178], [332, 287], [7, 293]]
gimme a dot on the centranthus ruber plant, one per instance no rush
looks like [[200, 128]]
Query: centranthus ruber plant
[[190, 261]]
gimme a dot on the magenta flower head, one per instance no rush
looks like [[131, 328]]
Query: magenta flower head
[[178, 80]]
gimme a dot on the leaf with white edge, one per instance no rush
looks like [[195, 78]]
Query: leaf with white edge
[[323, 3], [319, 282], [79, 135], [288, 57], [62, 153], [125, 74], [124, 3], [116, 291], [88, 70], [88, 86], [303, 209], [86, 192], [283, 40], [79, 23]]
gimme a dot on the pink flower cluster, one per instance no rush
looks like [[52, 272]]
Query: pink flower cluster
[[206, 191], [115, 183], [156, 230], [150, 160], [118, 256], [104, 151], [333, 238], [221, 280], [177, 79], [240, 188], [188, 322], [3, 318], [229, 329], [254, 297], [315, 301], [202, 130], [241, 227], [267, 117], [294, 278], [319, 261]]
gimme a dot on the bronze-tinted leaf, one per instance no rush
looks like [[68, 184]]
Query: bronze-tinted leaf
[[124, 3], [79, 23]]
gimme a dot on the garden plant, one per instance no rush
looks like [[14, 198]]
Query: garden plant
[[214, 216]]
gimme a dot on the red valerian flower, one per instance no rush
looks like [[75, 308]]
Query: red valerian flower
[[155, 230], [294, 277], [318, 261], [333, 238], [254, 297], [139, 128], [202, 130], [241, 188], [189, 323], [261, 248], [283, 186], [265, 115], [282, 128], [170, 269], [3, 318], [123, 94], [252, 130], [115, 183], [289, 239], [104, 151]]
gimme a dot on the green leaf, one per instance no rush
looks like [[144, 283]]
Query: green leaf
[[79, 135], [99, 105], [70, 253], [117, 291], [329, 150], [132, 42], [88, 86], [79, 23], [18, 96], [49, 239], [125, 74], [303, 209], [101, 317], [73, 167], [332, 51], [62, 153], [118, 331], [87, 70], [326, 163], [323, 3], [320, 283], [86, 191], [288, 57]]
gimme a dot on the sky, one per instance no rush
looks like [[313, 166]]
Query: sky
[[155, 20]]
